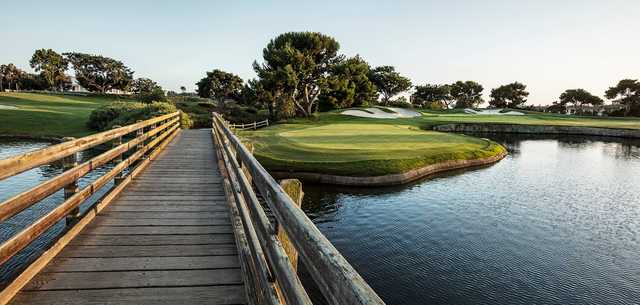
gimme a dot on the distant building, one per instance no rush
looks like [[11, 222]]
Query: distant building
[[76, 87], [600, 110]]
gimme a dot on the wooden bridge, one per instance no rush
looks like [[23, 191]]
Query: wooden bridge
[[190, 217]]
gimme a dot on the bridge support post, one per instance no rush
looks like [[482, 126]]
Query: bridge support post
[[117, 142], [140, 146], [70, 189], [293, 188]]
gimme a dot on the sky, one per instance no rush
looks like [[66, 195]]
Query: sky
[[548, 45]]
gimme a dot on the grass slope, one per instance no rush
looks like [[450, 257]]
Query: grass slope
[[47, 114]]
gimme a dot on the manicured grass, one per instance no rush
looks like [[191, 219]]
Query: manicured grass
[[345, 145], [47, 114], [361, 149]]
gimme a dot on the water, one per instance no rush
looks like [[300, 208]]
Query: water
[[556, 222], [25, 181]]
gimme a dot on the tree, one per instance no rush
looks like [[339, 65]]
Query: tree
[[467, 94], [428, 93], [98, 73], [389, 82], [183, 89], [348, 85], [628, 92], [295, 68], [51, 66], [10, 75], [511, 95], [220, 85], [147, 91], [579, 97]]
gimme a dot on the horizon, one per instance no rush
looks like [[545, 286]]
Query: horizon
[[549, 47]]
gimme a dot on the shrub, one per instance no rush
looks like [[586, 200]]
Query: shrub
[[125, 113]]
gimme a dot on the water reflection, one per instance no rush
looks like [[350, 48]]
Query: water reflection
[[556, 222]]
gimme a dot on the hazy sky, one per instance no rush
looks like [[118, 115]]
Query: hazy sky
[[548, 45]]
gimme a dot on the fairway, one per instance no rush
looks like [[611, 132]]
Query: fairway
[[47, 115], [362, 149]]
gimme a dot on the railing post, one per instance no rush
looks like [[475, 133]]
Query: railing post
[[254, 126], [140, 145], [70, 189], [117, 142], [293, 188]]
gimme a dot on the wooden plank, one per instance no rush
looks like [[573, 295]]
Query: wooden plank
[[88, 264], [113, 221], [20, 163], [189, 197], [149, 230], [134, 208], [131, 240], [148, 250], [217, 201], [204, 295], [134, 279], [167, 215]]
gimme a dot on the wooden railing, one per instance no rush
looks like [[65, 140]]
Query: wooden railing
[[151, 136], [270, 276], [254, 125]]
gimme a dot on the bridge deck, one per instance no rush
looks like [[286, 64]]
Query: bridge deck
[[166, 240]]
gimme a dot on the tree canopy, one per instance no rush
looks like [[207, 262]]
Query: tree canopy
[[628, 93], [97, 73], [348, 85], [220, 85], [467, 94], [389, 82], [146, 90], [511, 95], [431, 93], [10, 76], [51, 66], [579, 97], [295, 67]]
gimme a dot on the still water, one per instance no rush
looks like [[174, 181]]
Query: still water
[[556, 222], [25, 181]]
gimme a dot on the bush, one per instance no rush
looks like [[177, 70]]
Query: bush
[[125, 113]]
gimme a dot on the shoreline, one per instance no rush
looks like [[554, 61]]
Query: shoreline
[[29, 137], [538, 129], [391, 179]]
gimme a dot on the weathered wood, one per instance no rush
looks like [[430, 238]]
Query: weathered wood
[[92, 264], [158, 239], [293, 188], [336, 278], [27, 198], [128, 279], [153, 230], [18, 164], [34, 268], [203, 295], [290, 284]]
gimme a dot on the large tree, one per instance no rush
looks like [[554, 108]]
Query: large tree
[[628, 93], [348, 85], [430, 93], [220, 85], [579, 97], [51, 66], [389, 82], [98, 73], [295, 67], [467, 94], [511, 95], [147, 91]]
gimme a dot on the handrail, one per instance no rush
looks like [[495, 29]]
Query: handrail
[[254, 125], [336, 278], [144, 144]]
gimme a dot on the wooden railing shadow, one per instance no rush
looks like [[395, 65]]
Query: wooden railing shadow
[[150, 138], [270, 276]]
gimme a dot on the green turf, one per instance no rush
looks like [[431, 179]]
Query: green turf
[[47, 114], [344, 145]]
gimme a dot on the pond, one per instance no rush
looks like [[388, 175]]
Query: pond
[[25, 181], [555, 222]]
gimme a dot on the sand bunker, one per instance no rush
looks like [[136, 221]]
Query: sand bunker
[[492, 112], [377, 113], [8, 107]]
